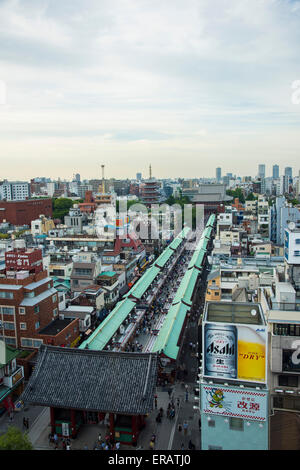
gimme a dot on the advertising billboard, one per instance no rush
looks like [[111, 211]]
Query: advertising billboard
[[235, 351], [234, 403]]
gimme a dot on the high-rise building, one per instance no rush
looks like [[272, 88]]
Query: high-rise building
[[275, 171], [234, 394], [261, 171], [15, 191], [77, 177], [139, 176], [288, 172], [218, 174]]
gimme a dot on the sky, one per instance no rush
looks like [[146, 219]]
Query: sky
[[184, 85]]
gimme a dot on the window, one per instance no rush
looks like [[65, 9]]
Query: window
[[288, 403], [23, 326], [288, 364], [236, 424], [29, 295], [211, 423], [285, 329], [54, 298], [37, 325], [8, 325], [22, 310], [288, 380], [11, 341], [37, 343], [8, 310], [36, 309], [26, 342], [6, 295], [55, 312]]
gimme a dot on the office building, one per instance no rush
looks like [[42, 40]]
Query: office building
[[14, 191], [261, 171], [275, 174]]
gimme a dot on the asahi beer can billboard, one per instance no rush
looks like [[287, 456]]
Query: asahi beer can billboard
[[235, 352]]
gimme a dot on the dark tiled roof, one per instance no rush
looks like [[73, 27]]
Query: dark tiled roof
[[101, 381], [55, 327]]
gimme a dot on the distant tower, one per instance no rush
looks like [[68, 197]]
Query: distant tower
[[262, 171], [102, 185], [218, 174], [275, 171], [150, 171]]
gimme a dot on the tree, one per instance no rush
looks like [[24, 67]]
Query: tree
[[14, 439], [251, 197], [61, 207], [237, 193]]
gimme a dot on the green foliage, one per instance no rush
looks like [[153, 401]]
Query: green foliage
[[251, 197], [237, 193], [295, 202], [181, 201], [14, 439], [61, 207], [4, 236]]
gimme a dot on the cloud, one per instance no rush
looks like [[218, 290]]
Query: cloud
[[162, 76]]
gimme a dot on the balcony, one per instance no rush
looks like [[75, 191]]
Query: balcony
[[14, 378], [285, 306]]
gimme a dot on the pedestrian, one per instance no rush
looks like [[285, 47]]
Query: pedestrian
[[99, 437], [27, 423], [179, 427], [182, 446], [191, 445], [170, 392], [151, 445], [24, 422], [55, 438], [118, 445], [68, 446], [155, 401], [185, 427], [178, 402]]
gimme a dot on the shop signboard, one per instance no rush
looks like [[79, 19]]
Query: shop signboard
[[234, 402], [235, 351]]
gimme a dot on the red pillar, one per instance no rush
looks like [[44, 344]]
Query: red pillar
[[52, 420], [112, 425], [73, 423], [134, 429]]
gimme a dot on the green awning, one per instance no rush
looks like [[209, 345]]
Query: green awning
[[164, 258], [143, 283], [186, 287], [168, 337], [105, 331]]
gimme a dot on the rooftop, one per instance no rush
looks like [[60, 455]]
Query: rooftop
[[234, 312], [99, 381], [56, 326]]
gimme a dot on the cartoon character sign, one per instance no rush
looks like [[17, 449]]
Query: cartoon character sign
[[215, 398]]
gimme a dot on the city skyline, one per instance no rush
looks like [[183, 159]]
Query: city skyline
[[129, 82]]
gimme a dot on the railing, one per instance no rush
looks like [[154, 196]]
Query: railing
[[291, 307], [12, 379]]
